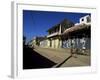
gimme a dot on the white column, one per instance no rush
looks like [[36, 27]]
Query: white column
[[60, 29]]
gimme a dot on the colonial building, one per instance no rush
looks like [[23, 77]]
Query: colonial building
[[66, 34], [36, 41], [54, 37], [44, 43], [78, 36]]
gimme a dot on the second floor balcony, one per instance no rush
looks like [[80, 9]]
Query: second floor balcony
[[53, 34]]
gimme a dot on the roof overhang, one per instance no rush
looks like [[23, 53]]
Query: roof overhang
[[76, 28]]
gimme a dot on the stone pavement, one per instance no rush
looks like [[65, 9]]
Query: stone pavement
[[62, 57]]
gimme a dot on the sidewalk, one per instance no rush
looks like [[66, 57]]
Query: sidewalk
[[62, 57], [75, 62], [56, 55]]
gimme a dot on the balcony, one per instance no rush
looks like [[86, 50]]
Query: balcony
[[53, 34]]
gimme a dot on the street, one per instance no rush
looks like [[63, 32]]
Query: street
[[62, 57]]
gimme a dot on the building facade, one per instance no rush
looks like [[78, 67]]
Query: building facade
[[54, 36], [66, 34], [79, 34]]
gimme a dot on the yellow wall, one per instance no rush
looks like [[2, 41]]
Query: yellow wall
[[60, 43], [48, 43], [55, 43]]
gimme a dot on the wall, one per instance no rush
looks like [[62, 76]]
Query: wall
[[44, 43], [55, 43], [78, 43]]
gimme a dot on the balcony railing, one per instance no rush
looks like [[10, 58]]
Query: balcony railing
[[53, 34]]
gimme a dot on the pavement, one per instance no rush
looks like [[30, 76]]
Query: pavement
[[74, 62], [63, 57]]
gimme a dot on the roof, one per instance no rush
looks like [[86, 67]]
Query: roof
[[65, 21], [76, 28]]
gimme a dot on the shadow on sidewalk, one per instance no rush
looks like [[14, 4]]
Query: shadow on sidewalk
[[60, 64], [33, 60]]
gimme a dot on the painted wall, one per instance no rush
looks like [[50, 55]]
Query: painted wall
[[44, 43], [55, 43], [52, 42], [80, 43]]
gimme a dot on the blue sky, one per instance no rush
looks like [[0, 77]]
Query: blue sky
[[36, 23]]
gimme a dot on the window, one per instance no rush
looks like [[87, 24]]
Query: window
[[88, 19], [82, 19]]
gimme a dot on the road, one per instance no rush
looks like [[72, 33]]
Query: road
[[62, 57]]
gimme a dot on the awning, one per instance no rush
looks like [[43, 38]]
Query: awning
[[76, 28]]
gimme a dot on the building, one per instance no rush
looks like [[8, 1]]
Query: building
[[36, 41], [66, 34], [54, 38], [78, 36], [44, 43], [85, 20]]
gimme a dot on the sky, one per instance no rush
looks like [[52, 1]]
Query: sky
[[36, 23]]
